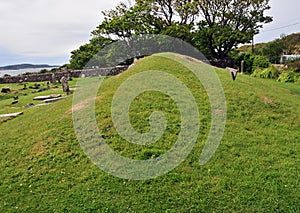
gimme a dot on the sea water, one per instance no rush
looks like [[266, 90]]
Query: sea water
[[21, 71]]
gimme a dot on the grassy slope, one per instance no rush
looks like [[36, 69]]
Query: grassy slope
[[256, 167]]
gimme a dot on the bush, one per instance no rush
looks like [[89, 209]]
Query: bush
[[269, 73], [252, 62], [247, 58], [289, 76], [260, 62], [294, 65], [44, 71], [257, 73]]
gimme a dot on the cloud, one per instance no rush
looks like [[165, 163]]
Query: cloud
[[48, 28], [284, 13], [51, 29]]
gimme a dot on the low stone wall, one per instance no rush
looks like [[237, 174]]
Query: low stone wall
[[109, 71]]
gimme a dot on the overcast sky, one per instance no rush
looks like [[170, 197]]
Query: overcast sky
[[46, 31]]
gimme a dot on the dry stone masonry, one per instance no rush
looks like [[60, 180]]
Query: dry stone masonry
[[110, 71]]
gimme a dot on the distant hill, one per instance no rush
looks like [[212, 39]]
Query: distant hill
[[273, 50], [26, 66]]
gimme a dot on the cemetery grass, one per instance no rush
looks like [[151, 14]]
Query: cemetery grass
[[255, 168]]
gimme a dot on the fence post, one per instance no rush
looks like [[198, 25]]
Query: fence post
[[242, 67]]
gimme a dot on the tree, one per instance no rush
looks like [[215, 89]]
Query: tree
[[228, 23], [81, 56], [273, 50], [214, 26], [168, 17]]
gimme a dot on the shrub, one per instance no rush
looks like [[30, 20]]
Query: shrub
[[270, 73], [252, 62], [260, 62], [257, 73], [289, 76], [294, 65], [247, 58], [44, 71]]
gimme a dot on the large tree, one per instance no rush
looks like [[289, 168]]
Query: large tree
[[213, 26], [171, 17], [81, 56], [228, 23]]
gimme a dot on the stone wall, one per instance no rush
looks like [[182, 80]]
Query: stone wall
[[110, 71]]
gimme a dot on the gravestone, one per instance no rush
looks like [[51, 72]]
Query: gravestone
[[5, 90], [70, 76], [24, 87], [53, 79], [35, 86], [65, 85], [28, 105], [232, 72]]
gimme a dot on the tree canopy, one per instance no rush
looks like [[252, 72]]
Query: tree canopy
[[228, 23], [214, 27], [81, 56]]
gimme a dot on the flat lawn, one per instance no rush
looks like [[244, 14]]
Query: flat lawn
[[255, 169]]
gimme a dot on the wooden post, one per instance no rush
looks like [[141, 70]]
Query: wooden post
[[242, 67], [253, 50]]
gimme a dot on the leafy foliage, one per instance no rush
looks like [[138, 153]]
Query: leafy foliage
[[269, 73], [251, 62], [287, 44], [295, 65], [260, 62], [223, 25], [81, 56], [273, 51], [227, 24], [289, 76]]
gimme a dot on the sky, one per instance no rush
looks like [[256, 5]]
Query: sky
[[46, 31]]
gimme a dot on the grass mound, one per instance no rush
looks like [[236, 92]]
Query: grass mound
[[255, 169]]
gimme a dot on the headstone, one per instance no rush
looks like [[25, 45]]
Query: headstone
[[28, 105], [41, 98], [11, 115], [52, 100], [53, 79], [5, 90], [35, 86], [232, 72], [69, 76], [25, 87], [43, 89], [65, 85]]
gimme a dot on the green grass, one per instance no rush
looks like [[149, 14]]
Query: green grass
[[26, 95], [255, 169]]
